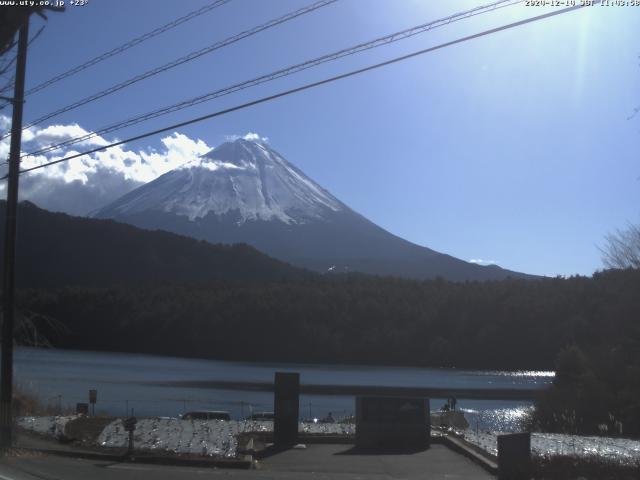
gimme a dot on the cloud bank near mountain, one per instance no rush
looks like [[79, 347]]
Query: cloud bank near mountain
[[84, 184]]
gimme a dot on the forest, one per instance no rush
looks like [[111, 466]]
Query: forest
[[100, 285], [511, 324], [585, 328]]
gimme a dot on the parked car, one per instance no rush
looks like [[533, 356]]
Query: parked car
[[261, 416], [206, 415]]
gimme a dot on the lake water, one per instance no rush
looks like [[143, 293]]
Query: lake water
[[125, 381]]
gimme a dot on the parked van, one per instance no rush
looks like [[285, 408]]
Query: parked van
[[206, 415], [261, 416]]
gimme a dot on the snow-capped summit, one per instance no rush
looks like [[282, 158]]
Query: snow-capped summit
[[245, 191], [245, 178]]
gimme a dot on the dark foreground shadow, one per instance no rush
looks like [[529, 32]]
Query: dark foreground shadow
[[383, 451], [270, 451]]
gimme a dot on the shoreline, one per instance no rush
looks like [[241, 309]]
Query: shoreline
[[530, 372], [526, 394]]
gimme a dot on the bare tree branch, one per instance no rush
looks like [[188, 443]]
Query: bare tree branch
[[622, 248], [29, 328]]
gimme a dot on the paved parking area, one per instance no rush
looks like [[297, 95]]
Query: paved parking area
[[339, 461], [317, 462]]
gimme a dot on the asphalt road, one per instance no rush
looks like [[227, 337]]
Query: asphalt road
[[315, 462]]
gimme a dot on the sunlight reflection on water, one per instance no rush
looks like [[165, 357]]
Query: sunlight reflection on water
[[130, 381], [503, 419]]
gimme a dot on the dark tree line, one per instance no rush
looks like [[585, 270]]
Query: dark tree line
[[55, 249], [511, 324], [95, 284], [587, 328]]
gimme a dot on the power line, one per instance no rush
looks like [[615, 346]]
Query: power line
[[184, 59], [380, 41], [37, 34], [8, 85], [311, 85], [8, 64], [5, 67], [127, 45]]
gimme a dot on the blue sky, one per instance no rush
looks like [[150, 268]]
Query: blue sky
[[514, 148]]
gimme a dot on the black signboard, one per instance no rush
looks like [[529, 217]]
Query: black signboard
[[130, 424], [286, 405], [393, 410], [392, 423], [514, 456]]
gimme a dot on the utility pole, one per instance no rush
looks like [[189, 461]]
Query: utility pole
[[8, 303]]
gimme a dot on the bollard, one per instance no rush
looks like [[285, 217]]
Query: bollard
[[514, 456]]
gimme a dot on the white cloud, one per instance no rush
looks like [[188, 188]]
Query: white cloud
[[38, 137], [254, 137], [480, 261], [83, 184], [250, 136], [60, 133], [4, 149], [139, 166]]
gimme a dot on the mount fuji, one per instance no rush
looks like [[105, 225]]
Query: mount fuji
[[246, 192]]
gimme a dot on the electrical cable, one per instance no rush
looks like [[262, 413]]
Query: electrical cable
[[5, 67], [394, 37], [126, 46], [187, 58], [311, 85]]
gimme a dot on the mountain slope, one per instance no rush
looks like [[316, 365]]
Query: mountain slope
[[244, 191], [247, 180], [55, 249]]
